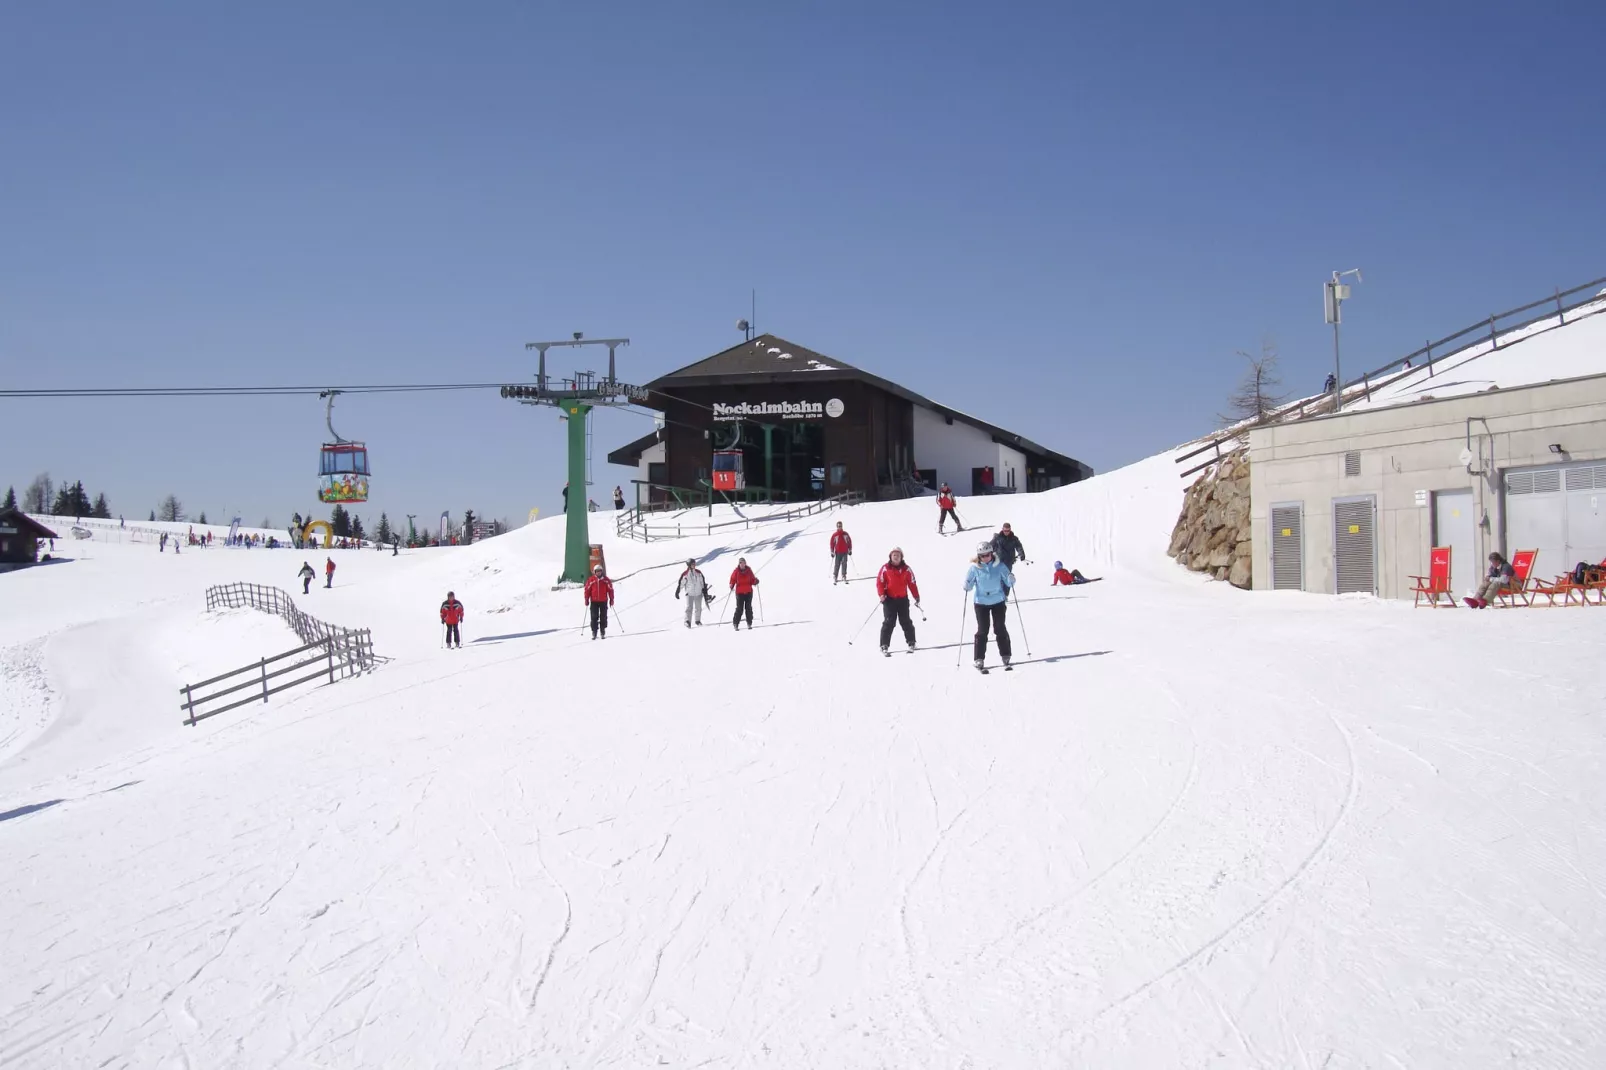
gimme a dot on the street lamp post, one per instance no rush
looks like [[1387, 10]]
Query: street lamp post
[[1334, 293]]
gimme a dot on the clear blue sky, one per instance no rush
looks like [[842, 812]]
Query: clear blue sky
[[1063, 219]]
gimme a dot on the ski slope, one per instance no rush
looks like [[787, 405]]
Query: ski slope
[[1196, 826]]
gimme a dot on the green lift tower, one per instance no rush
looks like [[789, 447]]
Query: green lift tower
[[574, 399]]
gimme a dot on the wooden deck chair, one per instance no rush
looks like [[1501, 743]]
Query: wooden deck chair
[[1521, 589], [1595, 580], [1437, 581], [1561, 587]]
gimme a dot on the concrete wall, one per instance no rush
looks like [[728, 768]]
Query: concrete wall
[[954, 449], [1410, 449]]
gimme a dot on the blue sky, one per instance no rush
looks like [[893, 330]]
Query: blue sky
[[1061, 218]]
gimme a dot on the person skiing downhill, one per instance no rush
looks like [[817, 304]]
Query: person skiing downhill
[[452, 615], [991, 582], [841, 550], [895, 584], [329, 572], [695, 584], [599, 596], [1007, 548], [307, 576], [945, 502], [742, 583]]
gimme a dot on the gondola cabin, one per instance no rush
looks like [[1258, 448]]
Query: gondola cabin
[[727, 470], [343, 472]]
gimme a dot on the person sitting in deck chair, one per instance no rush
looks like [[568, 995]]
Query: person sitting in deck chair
[[1500, 578]]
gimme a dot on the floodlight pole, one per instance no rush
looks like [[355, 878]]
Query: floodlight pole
[[575, 398], [1335, 293]]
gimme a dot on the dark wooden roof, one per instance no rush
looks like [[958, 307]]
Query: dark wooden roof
[[769, 359], [25, 524], [629, 454]]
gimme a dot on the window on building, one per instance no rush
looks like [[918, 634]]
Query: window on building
[[839, 475]]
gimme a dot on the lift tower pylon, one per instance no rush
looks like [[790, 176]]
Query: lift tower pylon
[[574, 399]]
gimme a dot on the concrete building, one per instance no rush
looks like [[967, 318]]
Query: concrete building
[[810, 426], [1354, 502]]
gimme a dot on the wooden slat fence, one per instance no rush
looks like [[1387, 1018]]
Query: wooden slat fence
[[327, 653], [631, 525]]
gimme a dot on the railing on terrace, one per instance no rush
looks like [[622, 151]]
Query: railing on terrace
[[1485, 332], [336, 652], [632, 525]]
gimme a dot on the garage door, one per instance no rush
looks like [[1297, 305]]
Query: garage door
[[1288, 547], [1558, 511]]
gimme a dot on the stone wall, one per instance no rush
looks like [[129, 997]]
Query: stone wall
[[1213, 533]]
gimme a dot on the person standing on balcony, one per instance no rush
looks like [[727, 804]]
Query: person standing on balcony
[[618, 499]]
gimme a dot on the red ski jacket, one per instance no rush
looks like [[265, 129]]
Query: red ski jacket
[[598, 589], [743, 581], [841, 543], [328, 566], [1061, 576], [452, 612], [945, 501], [897, 581]]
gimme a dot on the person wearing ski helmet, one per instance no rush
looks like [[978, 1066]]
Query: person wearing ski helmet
[[599, 596], [991, 583], [695, 585], [742, 582], [895, 584], [1067, 577], [452, 614]]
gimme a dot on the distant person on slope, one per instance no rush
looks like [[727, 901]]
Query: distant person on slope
[[618, 498], [895, 585], [1071, 578], [599, 596], [307, 576], [452, 613], [1500, 576], [328, 572], [945, 503], [991, 582], [1007, 548], [695, 584], [841, 550], [743, 580]]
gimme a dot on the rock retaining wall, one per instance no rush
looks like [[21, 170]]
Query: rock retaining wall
[[1212, 534]]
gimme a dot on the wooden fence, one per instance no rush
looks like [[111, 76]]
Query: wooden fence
[[336, 652], [631, 525]]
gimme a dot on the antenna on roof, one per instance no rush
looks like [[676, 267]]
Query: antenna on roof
[[752, 312]]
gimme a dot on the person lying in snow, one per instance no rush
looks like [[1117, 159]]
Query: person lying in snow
[[1071, 578]]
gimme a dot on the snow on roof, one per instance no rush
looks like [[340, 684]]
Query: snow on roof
[[1549, 350]]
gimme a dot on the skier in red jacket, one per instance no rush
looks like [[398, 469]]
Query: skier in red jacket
[[742, 582], [895, 584], [945, 502], [452, 616], [1069, 577], [599, 596], [841, 550]]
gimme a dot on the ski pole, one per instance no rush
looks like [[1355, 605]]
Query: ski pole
[[1022, 620], [866, 621], [760, 602], [960, 649], [920, 611], [617, 619]]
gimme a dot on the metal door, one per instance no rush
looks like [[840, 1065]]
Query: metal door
[[1453, 527], [1586, 515], [1536, 517], [1355, 545], [1288, 547]]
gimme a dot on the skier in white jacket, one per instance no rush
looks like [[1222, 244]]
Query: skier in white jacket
[[695, 586]]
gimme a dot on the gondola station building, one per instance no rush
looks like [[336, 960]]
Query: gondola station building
[[771, 419]]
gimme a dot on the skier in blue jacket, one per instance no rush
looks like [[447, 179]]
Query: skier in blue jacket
[[991, 582]]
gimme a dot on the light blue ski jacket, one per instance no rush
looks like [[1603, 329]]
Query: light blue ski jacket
[[991, 582]]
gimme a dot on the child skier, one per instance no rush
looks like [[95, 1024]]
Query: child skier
[[1068, 579], [991, 581], [695, 585], [841, 550], [307, 576], [599, 596], [742, 583], [945, 502], [895, 584], [452, 615]]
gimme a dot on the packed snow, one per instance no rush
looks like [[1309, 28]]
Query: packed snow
[[1195, 826]]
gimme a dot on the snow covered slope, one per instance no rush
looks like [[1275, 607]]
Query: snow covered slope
[[1195, 827]]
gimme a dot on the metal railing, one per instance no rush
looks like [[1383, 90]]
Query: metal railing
[[1485, 332], [338, 652], [630, 525]]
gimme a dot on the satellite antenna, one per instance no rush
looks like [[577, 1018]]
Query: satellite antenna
[[746, 328]]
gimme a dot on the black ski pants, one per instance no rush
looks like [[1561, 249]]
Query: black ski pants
[[896, 611], [993, 616], [453, 636], [306, 585], [944, 517], [744, 604], [599, 618]]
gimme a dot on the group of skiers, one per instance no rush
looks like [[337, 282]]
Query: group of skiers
[[307, 575]]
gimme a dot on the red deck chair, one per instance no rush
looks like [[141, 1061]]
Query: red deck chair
[[1522, 582], [1437, 581]]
